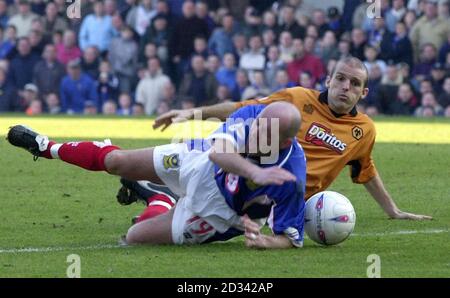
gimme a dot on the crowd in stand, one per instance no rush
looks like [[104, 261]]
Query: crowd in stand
[[136, 57]]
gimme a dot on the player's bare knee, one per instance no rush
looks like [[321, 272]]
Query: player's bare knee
[[132, 237], [115, 162]]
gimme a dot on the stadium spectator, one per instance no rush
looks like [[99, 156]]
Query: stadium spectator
[[358, 42], [437, 77], [242, 82], [398, 46], [107, 85], [289, 23], [34, 108], [199, 83], [273, 64], [258, 87], [78, 91], [123, 56], [23, 19], [269, 22], [429, 29], [157, 33], [447, 112], [52, 22], [21, 68], [428, 57], [8, 42], [240, 46], [96, 29], [138, 109], [150, 89], [282, 81], [444, 50], [52, 103], [117, 24], [200, 47], [109, 107], [213, 63], [252, 22], [268, 38], [4, 17], [328, 48], [428, 106], [405, 102], [29, 94], [90, 62], [170, 94], [371, 53], [53, 70], [221, 41], [388, 88], [319, 20], [444, 97], [202, 12], [304, 62], [286, 47], [223, 94], [226, 75], [181, 43], [68, 49], [140, 16], [254, 58], [8, 98], [125, 105], [395, 14]]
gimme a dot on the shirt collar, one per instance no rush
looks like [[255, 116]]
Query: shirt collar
[[323, 98]]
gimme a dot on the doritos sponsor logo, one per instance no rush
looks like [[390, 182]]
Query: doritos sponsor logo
[[320, 135]]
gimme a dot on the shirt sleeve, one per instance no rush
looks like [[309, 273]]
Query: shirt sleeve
[[287, 214], [283, 95]]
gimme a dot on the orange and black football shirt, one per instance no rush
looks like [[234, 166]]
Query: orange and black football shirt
[[330, 141]]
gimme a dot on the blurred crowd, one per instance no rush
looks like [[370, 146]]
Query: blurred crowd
[[144, 57]]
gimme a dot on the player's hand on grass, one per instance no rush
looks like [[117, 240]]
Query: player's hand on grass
[[173, 116], [272, 175], [406, 215], [253, 237]]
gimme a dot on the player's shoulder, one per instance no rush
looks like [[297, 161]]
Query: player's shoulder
[[304, 93], [366, 124]]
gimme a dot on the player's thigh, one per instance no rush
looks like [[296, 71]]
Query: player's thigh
[[156, 230], [133, 164]]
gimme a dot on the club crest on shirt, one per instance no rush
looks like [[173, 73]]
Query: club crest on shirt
[[171, 161], [357, 132], [321, 135]]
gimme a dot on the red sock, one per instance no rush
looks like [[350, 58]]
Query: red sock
[[157, 205], [88, 155]]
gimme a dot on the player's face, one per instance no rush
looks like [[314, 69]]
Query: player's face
[[346, 88]]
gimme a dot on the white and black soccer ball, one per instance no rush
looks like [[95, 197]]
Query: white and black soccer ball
[[329, 218]]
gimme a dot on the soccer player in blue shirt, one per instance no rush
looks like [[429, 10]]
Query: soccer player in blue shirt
[[228, 183]]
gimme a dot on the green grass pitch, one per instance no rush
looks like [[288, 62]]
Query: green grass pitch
[[50, 210]]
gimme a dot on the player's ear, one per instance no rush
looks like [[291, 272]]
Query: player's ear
[[327, 82], [365, 93]]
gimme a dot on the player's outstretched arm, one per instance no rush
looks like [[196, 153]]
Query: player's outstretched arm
[[255, 239], [376, 188], [223, 154], [220, 111]]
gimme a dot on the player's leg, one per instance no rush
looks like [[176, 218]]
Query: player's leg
[[157, 230], [93, 156]]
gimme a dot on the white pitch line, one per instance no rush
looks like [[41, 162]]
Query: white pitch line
[[405, 232], [110, 246], [56, 248]]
